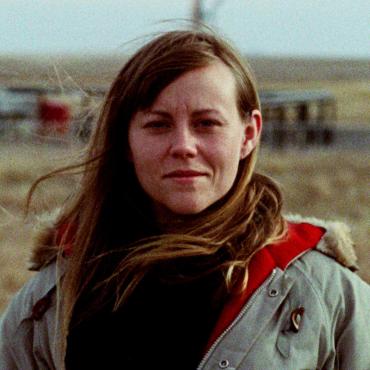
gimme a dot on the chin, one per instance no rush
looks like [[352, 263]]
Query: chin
[[173, 211], [188, 208], [187, 211]]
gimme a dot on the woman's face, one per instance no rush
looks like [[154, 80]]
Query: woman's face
[[187, 146]]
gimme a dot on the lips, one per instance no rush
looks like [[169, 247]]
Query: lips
[[184, 174]]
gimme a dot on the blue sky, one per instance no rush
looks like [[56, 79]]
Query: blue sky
[[328, 28]]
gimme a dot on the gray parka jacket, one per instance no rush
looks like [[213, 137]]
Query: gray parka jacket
[[314, 314]]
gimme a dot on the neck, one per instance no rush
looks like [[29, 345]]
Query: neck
[[168, 220]]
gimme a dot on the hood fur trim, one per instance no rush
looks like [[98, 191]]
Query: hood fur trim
[[45, 241], [336, 242]]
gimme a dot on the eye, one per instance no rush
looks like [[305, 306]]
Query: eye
[[206, 124], [156, 125]]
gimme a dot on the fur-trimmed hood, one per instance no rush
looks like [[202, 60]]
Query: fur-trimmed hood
[[336, 242], [45, 241]]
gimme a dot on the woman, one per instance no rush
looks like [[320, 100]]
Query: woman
[[174, 253]]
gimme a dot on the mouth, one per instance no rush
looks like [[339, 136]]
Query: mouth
[[181, 174]]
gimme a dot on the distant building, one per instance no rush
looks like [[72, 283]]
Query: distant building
[[300, 118], [38, 113], [17, 104]]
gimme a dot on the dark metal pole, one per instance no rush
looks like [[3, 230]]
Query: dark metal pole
[[200, 14]]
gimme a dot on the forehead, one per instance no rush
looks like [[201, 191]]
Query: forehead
[[212, 83]]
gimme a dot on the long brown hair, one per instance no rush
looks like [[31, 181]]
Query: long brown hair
[[117, 241]]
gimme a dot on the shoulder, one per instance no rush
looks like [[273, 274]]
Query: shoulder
[[329, 279], [335, 298], [24, 304], [333, 260], [340, 300], [30, 321], [327, 276], [327, 271]]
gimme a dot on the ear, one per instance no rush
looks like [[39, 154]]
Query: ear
[[252, 132]]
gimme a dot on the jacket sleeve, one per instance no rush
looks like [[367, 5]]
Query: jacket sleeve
[[28, 324], [344, 300], [353, 326], [16, 333]]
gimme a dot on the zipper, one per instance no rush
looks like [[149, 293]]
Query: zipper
[[240, 315]]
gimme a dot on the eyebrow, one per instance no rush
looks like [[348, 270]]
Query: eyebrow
[[157, 112], [196, 113]]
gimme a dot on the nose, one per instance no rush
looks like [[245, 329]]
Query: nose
[[184, 143]]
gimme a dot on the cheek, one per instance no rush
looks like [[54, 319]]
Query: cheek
[[141, 162], [139, 149], [137, 157], [226, 163], [145, 158], [232, 157]]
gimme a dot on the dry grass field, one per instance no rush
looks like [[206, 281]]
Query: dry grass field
[[20, 166], [326, 184]]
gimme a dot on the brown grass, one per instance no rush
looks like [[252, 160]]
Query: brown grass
[[326, 184], [20, 166], [331, 185]]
